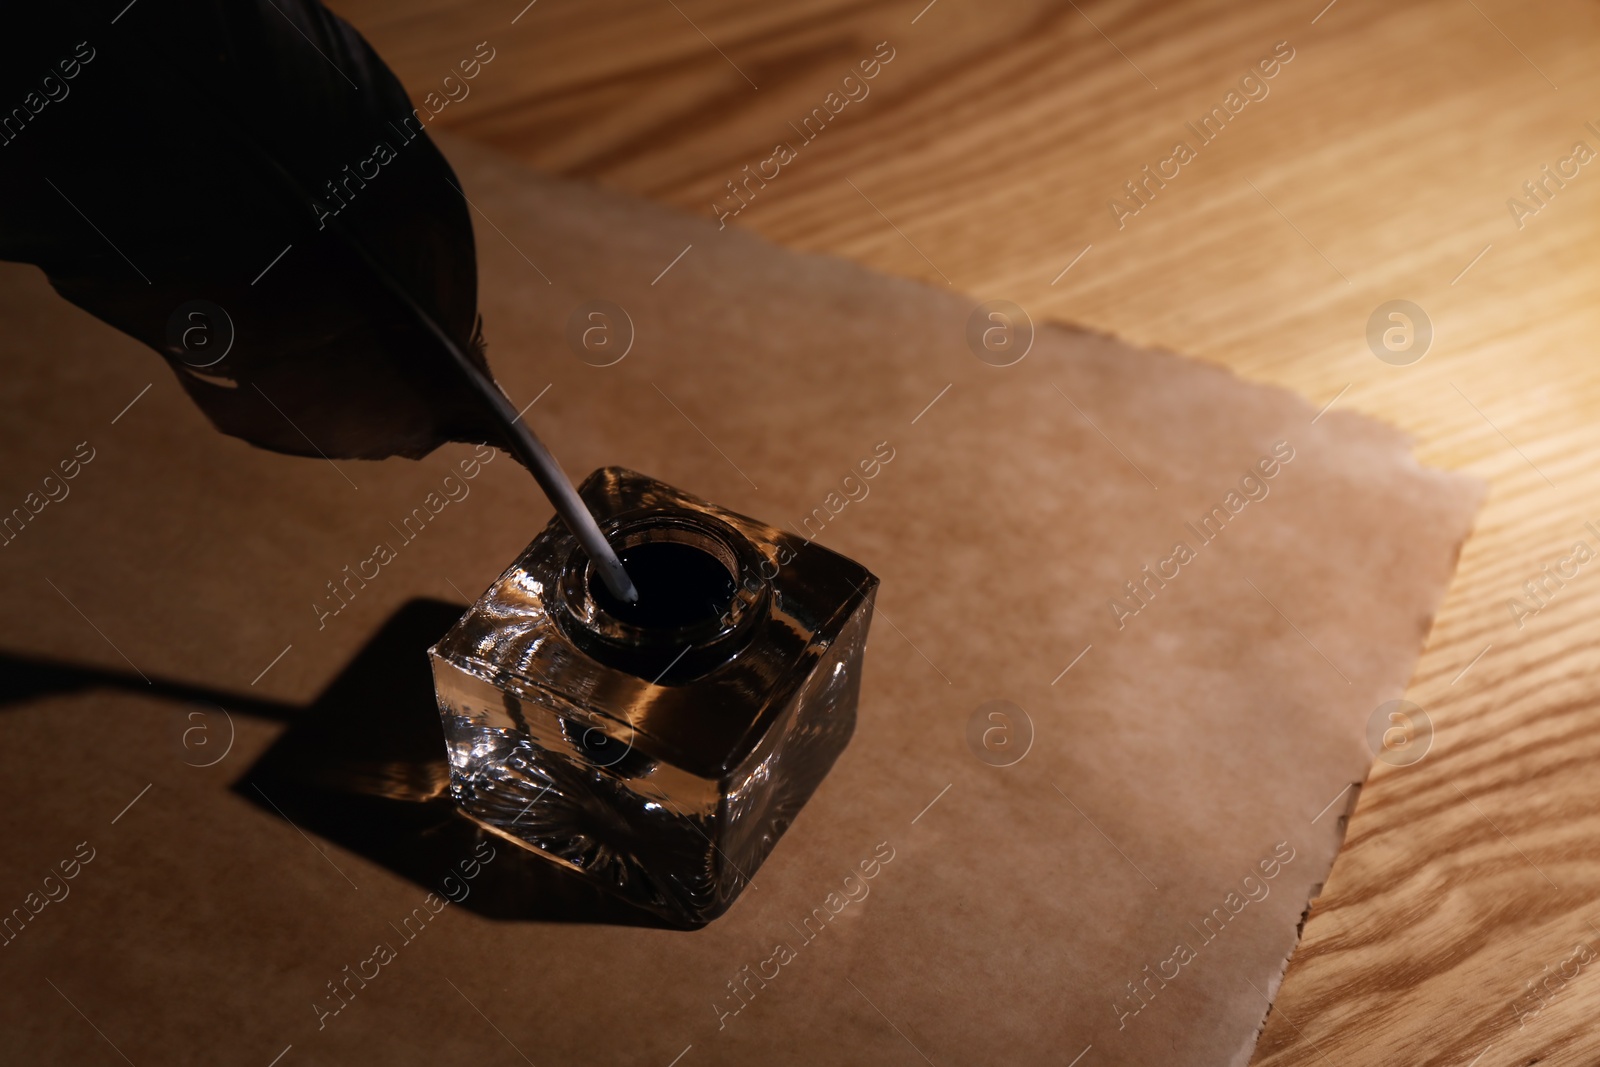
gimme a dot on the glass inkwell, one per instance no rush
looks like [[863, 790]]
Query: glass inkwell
[[659, 748]]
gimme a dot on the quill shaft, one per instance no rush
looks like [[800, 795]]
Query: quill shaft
[[527, 448], [553, 480], [519, 437]]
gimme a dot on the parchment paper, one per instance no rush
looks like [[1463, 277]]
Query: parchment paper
[[1125, 892]]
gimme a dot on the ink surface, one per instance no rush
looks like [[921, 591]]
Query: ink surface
[[679, 585]]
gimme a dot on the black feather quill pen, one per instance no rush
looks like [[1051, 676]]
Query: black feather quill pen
[[258, 157]]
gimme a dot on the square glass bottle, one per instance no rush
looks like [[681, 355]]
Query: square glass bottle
[[661, 748]]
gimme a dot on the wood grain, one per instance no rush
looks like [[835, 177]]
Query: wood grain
[[1378, 167]]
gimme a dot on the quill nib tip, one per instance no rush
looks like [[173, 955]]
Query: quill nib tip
[[617, 581]]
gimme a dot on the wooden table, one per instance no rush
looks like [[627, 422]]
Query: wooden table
[[1378, 166]]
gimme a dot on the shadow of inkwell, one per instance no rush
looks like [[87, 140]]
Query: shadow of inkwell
[[364, 766]]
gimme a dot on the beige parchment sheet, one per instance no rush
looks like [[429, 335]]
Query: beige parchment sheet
[[1127, 892]]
